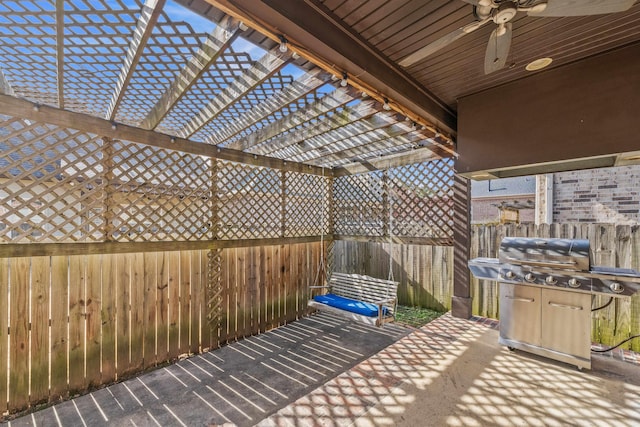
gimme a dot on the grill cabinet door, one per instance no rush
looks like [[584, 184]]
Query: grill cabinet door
[[520, 313], [566, 322]]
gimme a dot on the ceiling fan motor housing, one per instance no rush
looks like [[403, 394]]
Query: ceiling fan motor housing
[[505, 12]]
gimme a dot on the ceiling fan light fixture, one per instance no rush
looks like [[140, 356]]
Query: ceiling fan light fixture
[[485, 3], [538, 64], [540, 7]]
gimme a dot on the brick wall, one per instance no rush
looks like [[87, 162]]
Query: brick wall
[[609, 195], [483, 211]]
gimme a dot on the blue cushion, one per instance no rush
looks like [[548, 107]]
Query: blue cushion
[[354, 306]]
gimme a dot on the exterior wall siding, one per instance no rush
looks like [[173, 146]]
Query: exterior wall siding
[[607, 195]]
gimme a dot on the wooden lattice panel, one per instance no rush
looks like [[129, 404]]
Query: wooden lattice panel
[[306, 205], [225, 70], [277, 116], [421, 196], [92, 60], [249, 201], [51, 183], [168, 49], [61, 185], [267, 90], [160, 194], [358, 204], [292, 141], [92, 56], [28, 50]]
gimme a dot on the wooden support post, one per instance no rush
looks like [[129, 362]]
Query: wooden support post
[[109, 188], [283, 203], [461, 300], [329, 262], [214, 267]]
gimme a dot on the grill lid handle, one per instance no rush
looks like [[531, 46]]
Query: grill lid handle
[[547, 263]]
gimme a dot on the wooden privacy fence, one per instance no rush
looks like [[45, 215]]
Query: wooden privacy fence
[[425, 273], [70, 323]]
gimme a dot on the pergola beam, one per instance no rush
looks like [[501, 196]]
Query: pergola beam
[[15, 107], [215, 44], [386, 162], [148, 17], [329, 102], [266, 66], [346, 117], [374, 129], [378, 142], [60, 51], [327, 41], [298, 89]]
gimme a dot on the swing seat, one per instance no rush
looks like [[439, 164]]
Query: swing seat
[[359, 297]]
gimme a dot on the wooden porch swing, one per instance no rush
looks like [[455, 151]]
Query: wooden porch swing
[[358, 297]]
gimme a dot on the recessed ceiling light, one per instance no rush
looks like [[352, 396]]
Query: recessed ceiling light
[[538, 64]]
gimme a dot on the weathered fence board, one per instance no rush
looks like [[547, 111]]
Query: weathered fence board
[[19, 333], [108, 319], [40, 275], [82, 321], [4, 327]]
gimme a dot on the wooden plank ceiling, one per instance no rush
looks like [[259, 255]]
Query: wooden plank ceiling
[[157, 67], [398, 28]]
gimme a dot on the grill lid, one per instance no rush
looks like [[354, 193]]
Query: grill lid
[[565, 254]]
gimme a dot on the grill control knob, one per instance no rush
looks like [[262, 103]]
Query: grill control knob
[[510, 275], [616, 287], [573, 283], [550, 280], [529, 277]]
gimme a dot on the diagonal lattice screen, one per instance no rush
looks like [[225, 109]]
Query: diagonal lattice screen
[[225, 70], [410, 201], [257, 202], [358, 204], [249, 201], [307, 205], [61, 185], [422, 199], [159, 194]]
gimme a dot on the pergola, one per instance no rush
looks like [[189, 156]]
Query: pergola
[[208, 151]]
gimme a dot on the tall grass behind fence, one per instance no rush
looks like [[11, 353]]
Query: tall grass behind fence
[[72, 323]]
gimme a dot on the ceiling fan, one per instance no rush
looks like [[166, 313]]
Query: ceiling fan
[[501, 12]]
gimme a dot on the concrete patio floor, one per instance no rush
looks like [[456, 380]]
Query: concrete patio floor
[[453, 372], [326, 371]]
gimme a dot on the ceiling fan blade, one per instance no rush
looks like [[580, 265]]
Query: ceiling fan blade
[[582, 7], [498, 48], [484, 3], [431, 48]]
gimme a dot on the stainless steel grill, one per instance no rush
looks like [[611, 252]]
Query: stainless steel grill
[[546, 289]]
